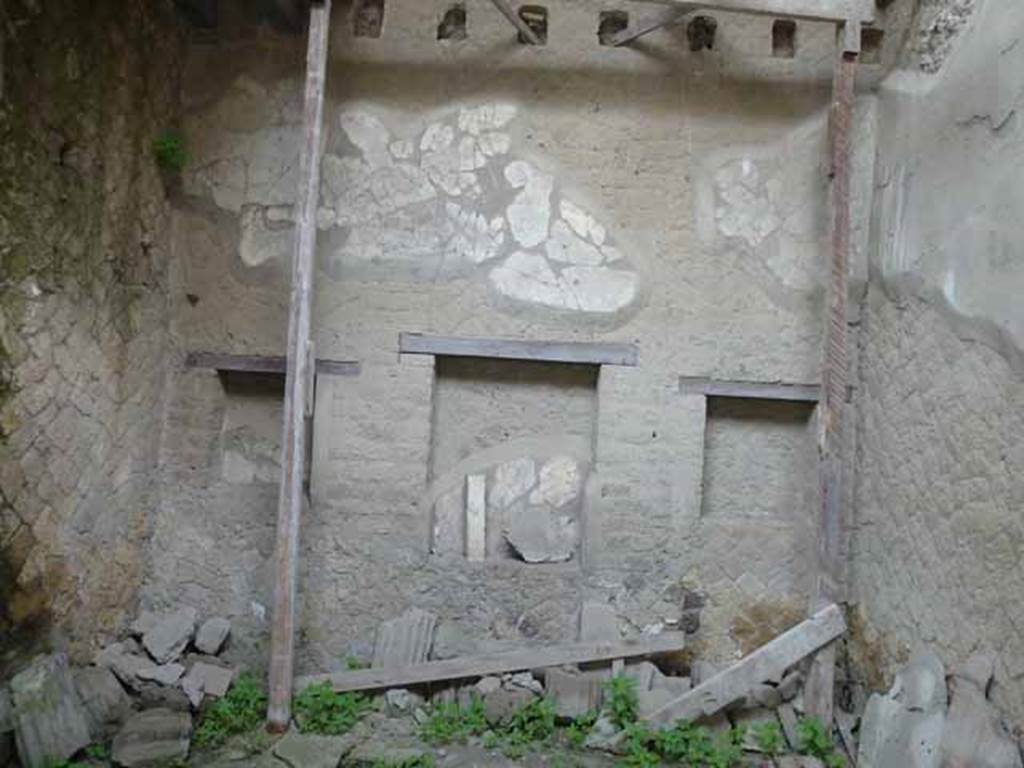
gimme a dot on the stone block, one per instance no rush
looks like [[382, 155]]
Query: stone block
[[574, 693], [168, 637], [400, 701], [974, 734], [104, 700], [153, 737], [125, 665], [164, 674], [311, 751], [206, 680], [50, 721], [212, 634], [539, 535], [501, 704], [404, 640], [598, 623], [450, 642]]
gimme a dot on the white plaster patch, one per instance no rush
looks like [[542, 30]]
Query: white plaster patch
[[583, 223], [746, 210], [370, 136], [559, 482], [476, 239], [402, 149], [449, 524], [259, 241], [529, 214], [437, 138], [494, 144], [474, 120], [566, 247], [599, 289], [528, 277], [512, 480]]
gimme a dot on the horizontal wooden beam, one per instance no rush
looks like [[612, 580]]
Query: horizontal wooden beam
[[750, 390], [835, 11], [498, 663], [767, 663], [584, 353], [264, 364]]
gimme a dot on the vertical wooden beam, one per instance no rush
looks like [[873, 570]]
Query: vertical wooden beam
[[298, 378], [830, 528]]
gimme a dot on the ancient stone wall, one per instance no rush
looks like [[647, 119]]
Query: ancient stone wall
[[477, 187], [937, 544], [84, 253]]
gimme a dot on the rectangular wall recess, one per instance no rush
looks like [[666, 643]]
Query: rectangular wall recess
[[512, 349]]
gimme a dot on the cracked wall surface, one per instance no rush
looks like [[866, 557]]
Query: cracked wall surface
[[482, 188], [939, 532], [84, 249]]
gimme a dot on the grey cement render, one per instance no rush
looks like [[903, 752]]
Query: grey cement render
[[661, 198], [938, 536]]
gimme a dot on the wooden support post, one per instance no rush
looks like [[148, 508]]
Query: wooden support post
[[518, 23], [829, 573], [298, 379]]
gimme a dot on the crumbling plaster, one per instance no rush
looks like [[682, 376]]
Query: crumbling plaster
[[938, 536], [704, 173]]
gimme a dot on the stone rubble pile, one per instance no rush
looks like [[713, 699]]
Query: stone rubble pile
[[140, 693]]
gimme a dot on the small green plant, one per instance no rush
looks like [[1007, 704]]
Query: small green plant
[[354, 662], [97, 752], [319, 709], [451, 724], [769, 738], [640, 746], [531, 724], [241, 710], [621, 700], [420, 761], [169, 151], [577, 731], [728, 749], [813, 738]]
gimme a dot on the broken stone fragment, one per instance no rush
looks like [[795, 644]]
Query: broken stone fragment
[[575, 693], [524, 680], [211, 635], [126, 666], [512, 480], [153, 737], [643, 673], [165, 674], [487, 685], [156, 696], [167, 639], [500, 705], [974, 733], [604, 735], [559, 482], [400, 701], [50, 721], [143, 623], [310, 750], [905, 726], [206, 680], [404, 640], [450, 642], [104, 699], [540, 536]]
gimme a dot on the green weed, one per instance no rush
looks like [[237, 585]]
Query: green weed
[[577, 731], [319, 709], [420, 761], [241, 710], [621, 700], [451, 724], [769, 738], [169, 152]]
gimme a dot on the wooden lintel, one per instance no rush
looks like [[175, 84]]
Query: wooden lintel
[[273, 364], [585, 353], [299, 378], [499, 663], [513, 17], [834, 11], [750, 390], [767, 663]]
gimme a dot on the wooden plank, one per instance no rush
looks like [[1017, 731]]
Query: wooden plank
[[835, 11], [750, 390], [647, 26], [298, 379], [498, 663], [476, 518], [517, 22], [264, 364], [769, 662], [830, 533], [586, 353]]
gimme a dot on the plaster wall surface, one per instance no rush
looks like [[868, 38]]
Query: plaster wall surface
[[84, 257], [483, 188], [936, 551]]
